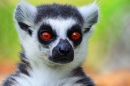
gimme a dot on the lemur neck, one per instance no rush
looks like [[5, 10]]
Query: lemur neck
[[38, 74]]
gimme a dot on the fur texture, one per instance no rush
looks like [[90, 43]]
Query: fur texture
[[36, 69]]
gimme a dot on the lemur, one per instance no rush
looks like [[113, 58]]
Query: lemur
[[54, 41]]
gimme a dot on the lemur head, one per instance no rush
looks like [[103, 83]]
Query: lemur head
[[55, 34]]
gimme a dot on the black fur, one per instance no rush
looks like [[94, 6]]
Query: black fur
[[86, 81], [9, 81], [56, 10], [24, 59], [24, 65], [25, 28], [22, 68], [87, 30]]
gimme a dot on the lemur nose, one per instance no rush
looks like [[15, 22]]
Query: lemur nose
[[64, 50], [63, 53]]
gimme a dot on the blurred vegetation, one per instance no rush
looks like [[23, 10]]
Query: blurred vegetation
[[108, 30]]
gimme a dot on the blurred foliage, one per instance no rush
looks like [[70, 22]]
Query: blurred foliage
[[108, 30]]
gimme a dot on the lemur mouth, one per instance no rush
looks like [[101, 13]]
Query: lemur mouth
[[63, 60]]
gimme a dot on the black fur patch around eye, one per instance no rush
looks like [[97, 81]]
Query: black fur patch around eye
[[75, 28], [25, 28], [46, 28]]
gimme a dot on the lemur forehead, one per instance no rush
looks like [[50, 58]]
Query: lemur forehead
[[60, 23], [56, 11]]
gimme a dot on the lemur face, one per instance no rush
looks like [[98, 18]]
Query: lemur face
[[60, 36], [54, 33]]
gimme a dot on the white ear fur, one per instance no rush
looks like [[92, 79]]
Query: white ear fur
[[25, 13], [89, 14]]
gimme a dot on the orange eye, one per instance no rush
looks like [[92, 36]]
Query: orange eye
[[75, 35], [46, 36]]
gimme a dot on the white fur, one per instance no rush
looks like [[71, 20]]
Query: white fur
[[88, 12], [47, 77]]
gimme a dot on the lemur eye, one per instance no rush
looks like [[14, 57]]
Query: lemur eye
[[75, 35], [46, 36]]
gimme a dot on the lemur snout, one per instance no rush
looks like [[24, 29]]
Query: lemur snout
[[63, 52]]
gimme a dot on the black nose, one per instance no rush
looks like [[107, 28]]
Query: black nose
[[64, 50], [63, 53]]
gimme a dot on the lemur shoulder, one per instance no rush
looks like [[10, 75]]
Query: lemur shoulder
[[54, 44]]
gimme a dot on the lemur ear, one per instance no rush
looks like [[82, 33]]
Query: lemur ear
[[89, 14], [24, 15]]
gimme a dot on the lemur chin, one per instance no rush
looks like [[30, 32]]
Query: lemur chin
[[54, 44]]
